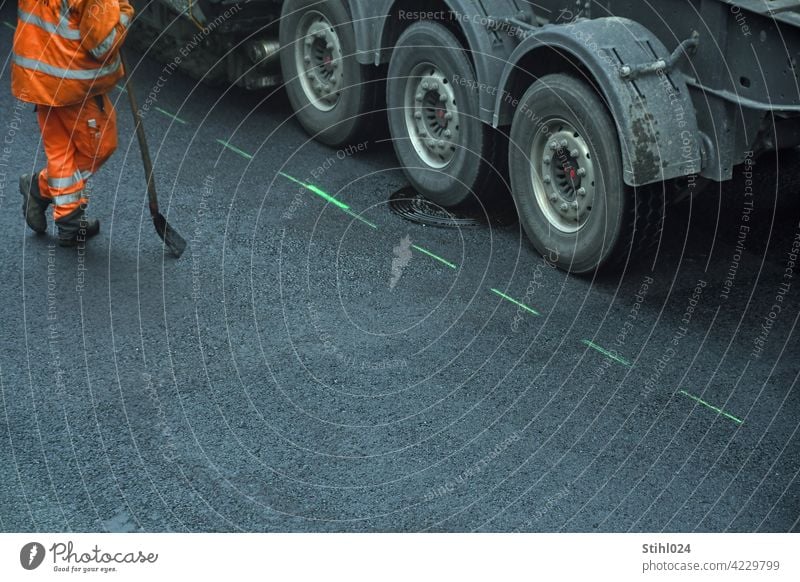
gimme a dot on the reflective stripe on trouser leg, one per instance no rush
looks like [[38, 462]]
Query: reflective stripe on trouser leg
[[62, 182], [72, 181], [67, 199], [67, 204]]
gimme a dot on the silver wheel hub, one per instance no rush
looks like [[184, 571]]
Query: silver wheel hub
[[432, 115], [318, 57], [563, 175]]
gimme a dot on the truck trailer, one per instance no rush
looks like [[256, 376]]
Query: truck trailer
[[596, 115]]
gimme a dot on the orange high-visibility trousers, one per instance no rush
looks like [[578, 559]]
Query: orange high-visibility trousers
[[77, 139]]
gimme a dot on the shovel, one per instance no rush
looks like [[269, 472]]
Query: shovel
[[172, 240]]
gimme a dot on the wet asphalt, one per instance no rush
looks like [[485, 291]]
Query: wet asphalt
[[282, 376]]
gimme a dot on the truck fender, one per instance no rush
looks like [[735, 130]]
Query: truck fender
[[369, 18], [488, 49], [654, 113]]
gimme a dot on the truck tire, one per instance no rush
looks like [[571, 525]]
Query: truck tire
[[448, 154], [330, 92], [567, 181]]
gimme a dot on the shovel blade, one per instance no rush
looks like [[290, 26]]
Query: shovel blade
[[172, 240]]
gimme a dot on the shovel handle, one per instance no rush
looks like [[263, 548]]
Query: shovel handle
[[152, 197]]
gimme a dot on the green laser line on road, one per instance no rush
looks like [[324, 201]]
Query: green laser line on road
[[364, 220], [9, 25], [317, 191], [433, 256], [168, 114], [714, 408], [606, 353], [235, 149], [121, 88], [515, 302]]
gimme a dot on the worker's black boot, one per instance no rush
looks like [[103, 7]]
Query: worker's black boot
[[33, 205], [75, 229]]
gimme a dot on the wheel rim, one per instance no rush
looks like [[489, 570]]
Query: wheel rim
[[318, 57], [431, 114], [563, 175]]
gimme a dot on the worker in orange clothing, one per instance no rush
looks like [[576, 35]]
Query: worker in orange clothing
[[65, 59]]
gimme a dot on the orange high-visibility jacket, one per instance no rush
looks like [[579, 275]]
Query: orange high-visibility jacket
[[67, 50]]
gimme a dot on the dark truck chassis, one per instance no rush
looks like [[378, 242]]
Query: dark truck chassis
[[638, 105]]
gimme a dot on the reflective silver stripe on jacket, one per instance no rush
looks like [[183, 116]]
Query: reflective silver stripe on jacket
[[65, 199], [61, 183], [79, 74], [61, 29], [106, 44]]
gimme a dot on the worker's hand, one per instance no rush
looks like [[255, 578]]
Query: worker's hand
[[104, 25]]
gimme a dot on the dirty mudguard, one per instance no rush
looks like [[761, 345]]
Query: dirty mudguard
[[654, 113]]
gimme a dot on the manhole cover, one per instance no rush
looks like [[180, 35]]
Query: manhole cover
[[410, 205]]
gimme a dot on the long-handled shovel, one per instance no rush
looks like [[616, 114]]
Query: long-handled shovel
[[173, 241]]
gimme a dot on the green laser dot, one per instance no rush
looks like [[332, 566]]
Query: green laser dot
[[318, 191], [433, 256], [364, 220], [515, 302], [712, 407], [606, 353], [168, 114], [235, 149]]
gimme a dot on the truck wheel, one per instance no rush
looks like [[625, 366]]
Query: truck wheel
[[330, 92], [447, 153], [566, 177]]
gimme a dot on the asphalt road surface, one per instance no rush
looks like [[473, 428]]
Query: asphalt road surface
[[317, 363]]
